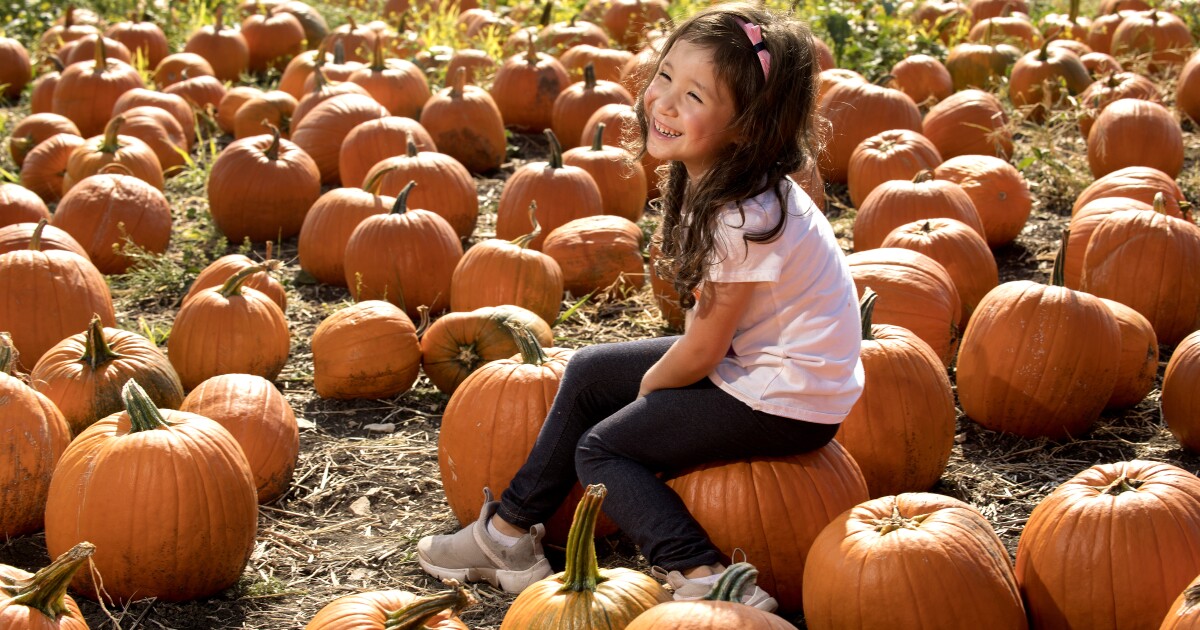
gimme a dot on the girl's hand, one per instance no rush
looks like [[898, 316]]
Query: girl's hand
[[706, 340]]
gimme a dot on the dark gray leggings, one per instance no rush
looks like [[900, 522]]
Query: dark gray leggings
[[596, 432]]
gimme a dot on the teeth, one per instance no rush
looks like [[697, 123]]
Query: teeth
[[665, 132]]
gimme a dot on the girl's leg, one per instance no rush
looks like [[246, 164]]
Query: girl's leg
[[599, 381], [670, 430]]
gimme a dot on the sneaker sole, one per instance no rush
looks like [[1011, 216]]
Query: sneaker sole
[[508, 581]]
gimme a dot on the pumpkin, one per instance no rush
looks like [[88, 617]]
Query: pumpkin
[[721, 609], [83, 49], [179, 66], [495, 272], [315, 27], [381, 610], [1140, 183], [969, 122], [272, 39], [856, 111], [772, 508], [1179, 392], [475, 61], [923, 78], [1151, 262], [1135, 132], [15, 69], [1132, 584], [896, 202], [256, 115], [160, 131], [73, 25], [1015, 29], [525, 88], [628, 20], [578, 101], [959, 249], [366, 350], [1183, 613], [48, 296], [444, 185], [1116, 86], [321, 132], [41, 95], [620, 179], [598, 254], [1035, 78], [110, 212], [323, 87], [261, 187], [458, 343], [907, 398], [218, 271], [979, 66], [1187, 90], [999, 191], [397, 84], [39, 600], [141, 37], [226, 330], [619, 122], [233, 99], [1138, 366], [562, 193], [203, 92], [299, 69], [20, 205], [374, 141], [584, 596], [224, 48], [915, 292], [86, 91], [985, 9], [261, 421], [561, 36], [465, 122], [892, 154], [19, 235], [34, 437], [329, 224], [118, 476], [34, 129], [84, 373], [1083, 224], [405, 256], [111, 148], [1161, 35], [173, 104], [1038, 360], [607, 62], [917, 560]]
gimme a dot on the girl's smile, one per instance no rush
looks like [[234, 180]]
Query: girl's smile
[[690, 110]]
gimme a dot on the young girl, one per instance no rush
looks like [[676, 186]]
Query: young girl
[[768, 365]]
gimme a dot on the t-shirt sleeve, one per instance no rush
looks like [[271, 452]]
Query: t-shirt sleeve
[[735, 259]]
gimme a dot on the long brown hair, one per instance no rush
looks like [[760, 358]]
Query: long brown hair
[[776, 135]]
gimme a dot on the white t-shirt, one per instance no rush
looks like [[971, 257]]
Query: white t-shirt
[[795, 352]]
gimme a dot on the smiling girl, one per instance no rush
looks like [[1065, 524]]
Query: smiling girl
[[768, 365]]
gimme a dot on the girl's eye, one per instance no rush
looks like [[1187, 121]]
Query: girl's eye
[[664, 75], [694, 97]]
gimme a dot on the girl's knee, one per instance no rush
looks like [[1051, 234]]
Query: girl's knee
[[589, 451]]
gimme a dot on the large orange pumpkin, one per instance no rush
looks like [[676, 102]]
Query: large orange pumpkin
[[959, 249], [857, 110], [444, 185], [916, 560], [598, 254], [497, 272], [896, 202], [892, 154], [397, 84], [969, 122], [374, 141], [466, 124], [366, 350], [1135, 132], [224, 48], [620, 179], [112, 148], [20, 205], [46, 164], [1180, 394], [561, 192], [219, 270], [525, 88], [110, 212], [329, 224], [457, 344], [321, 131], [87, 90], [1111, 506], [168, 498], [34, 129], [578, 101], [1138, 365], [999, 192]]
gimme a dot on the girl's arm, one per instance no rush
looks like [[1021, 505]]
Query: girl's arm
[[706, 340]]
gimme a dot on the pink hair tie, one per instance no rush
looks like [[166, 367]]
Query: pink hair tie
[[754, 33]]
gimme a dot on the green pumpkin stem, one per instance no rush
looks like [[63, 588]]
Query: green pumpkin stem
[[531, 57], [46, 591], [547, 13], [524, 241], [1044, 52], [1057, 274], [96, 351], [272, 151], [35, 241], [555, 149], [1160, 203], [598, 138], [866, 310], [460, 82], [111, 143], [531, 350], [233, 286], [219, 16], [885, 526], [401, 205], [9, 357], [414, 615], [1073, 12], [423, 310], [1122, 484], [376, 179], [582, 573], [732, 583], [144, 415]]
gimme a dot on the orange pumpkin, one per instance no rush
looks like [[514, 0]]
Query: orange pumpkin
[[179, 66], [892, 154], [465, 122], [374, 141], [15, 69], [218, 271], [256, 115], [444, 185], [998, 190], [578, 101], [18, 204], [173, 104], [202, 92], [1083, 224], [40, 600], [923, 78], [378, 610], [86, 91], [1138, 365], [19, 235], [969, 122], [1161, 35], [111, 148], [273, 39], [321, 132], [233, 99], [1035, 78], [621, 180], [366, 350], [458, 343], [108, 212], [329, 224], [397, 84], [561, 192], [497, 272], [1135, 132], [598, 254], [160, 131], [143, 38], [261, 421], [525, 88], [224, 48], [1141, 183], [896, 202], [1116, 86], [34, 129], [721, 609], [959, 249], [856, 111], [46, 165], [1179, 392]]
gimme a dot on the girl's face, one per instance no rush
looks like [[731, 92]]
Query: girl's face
[[689, 111]]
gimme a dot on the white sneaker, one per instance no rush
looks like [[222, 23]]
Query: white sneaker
[[688, 590]]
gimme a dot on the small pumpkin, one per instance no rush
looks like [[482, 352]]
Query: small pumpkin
[[578, 101], [179, 66], [525, 88], [598, 254], [40, 600], [1135, 132], [224, 48], [218, 271], [18, 204], [466, 124], [621, 180], [111, 148], [34, 129], [457, 344], [393, 610], [366, 350], [892, 154]]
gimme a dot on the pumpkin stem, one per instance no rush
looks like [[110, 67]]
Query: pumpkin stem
[[524, 241], [401, 205], [922, 176], [8, 354], [414, 615], [1073, 12], [219, 16], [376, 179], [547, 12], [319, 78], [1160, 203], [377, 56], [339, 52], [1191, 599], [1122, 484], [460, 81], [96, 351], [555, 149], [35, 241], [46, 591], [1044, 52], [896, 522], [732, 583], [582, 573], [272, 151], [598, 137], [531, 350], [866, 310], [233, 286], [884, 80], [1057, 275], [143, 414], [56, 62], [101, 55], [423, 310], [589, 77], [530, 53], [410, 145], [110, 143]]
